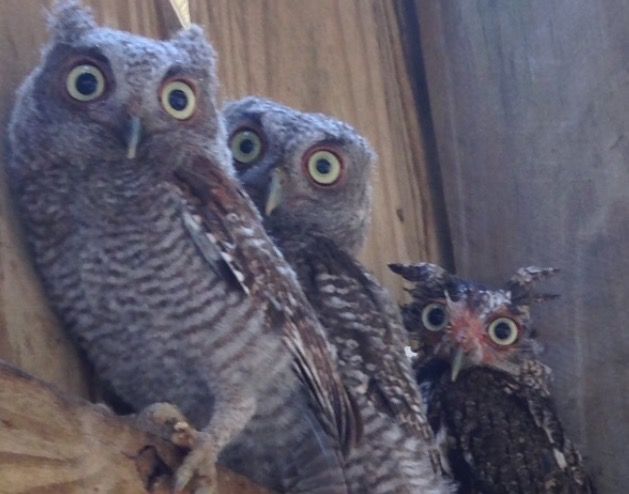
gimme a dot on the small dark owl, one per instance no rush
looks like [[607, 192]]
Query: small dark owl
[[157, 262], [486, 391], [309, 174]]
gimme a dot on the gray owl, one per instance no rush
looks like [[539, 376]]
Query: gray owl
[[487, 392], [153, 257], [309, 175]]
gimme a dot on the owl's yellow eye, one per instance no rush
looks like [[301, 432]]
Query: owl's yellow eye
[[178, 99], [246, 146], [503, 331], [324, 167], [434, 317], [85, 82]]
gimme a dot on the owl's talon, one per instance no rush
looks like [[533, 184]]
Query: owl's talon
[[163, 414], [160, 418], [184, 435], [199, 466]]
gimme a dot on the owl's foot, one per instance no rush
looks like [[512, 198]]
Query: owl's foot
[[165, 420], [199, 466], [184, 435]]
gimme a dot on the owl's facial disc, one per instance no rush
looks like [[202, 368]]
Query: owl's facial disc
[[474, 341], [464, 336]]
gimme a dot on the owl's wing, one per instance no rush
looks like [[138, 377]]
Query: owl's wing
[[391, 386], [501, 433], [234, 242], [542, 412]]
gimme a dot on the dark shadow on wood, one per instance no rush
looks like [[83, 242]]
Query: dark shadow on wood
[[406, 13]]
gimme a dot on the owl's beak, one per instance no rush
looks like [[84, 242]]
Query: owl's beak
[[461, 331], [457, 364], [133, 136], [274, 192]]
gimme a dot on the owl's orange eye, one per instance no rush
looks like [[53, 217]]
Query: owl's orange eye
[[434, 317], [503, 331], [324, 167], [178, 99], [85, 82]]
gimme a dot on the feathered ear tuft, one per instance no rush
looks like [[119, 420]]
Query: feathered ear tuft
[[522, 283], [420, 272], [193, 41], [69, 21]]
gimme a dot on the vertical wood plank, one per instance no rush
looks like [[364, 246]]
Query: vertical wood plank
[[29, 333], [531, 109]]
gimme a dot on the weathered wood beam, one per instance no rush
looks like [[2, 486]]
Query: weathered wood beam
[[53, 443]]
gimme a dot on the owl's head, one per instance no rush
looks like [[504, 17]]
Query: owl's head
[[105, 103], [467, 324], [303, 170]]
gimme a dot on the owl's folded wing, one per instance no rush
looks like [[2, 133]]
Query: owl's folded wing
[[227, 229]]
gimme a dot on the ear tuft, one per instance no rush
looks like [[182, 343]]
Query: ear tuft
[[69, 21], [522, 284], [420, 272], [193, 41]]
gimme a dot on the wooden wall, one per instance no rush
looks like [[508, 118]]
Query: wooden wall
[[530, 104], [502, 132]]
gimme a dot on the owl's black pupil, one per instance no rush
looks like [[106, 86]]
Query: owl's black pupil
[[86, 84], [323, 166], [436, 316], [502, 331], [246, 146], [178, 99]]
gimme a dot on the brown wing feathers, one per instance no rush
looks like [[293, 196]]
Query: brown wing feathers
[[229, 214]]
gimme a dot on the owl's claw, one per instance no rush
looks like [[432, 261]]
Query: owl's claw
[[199, 467], [161, 419], [184, 435]]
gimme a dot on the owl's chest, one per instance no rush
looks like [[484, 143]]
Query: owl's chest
[[491, 429], [142, 265], [133, 275]]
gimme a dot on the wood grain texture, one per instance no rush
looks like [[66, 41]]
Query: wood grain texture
[[530, 102], [29, 333], [344, 58], [51, 443]]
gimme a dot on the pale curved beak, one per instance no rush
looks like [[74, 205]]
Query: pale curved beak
[[275, 194], [457, 364], [134, 134]]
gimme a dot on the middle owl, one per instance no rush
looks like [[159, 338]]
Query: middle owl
[[309, 176]]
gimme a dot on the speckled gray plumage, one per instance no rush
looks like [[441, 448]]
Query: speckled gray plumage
[[496, 420], [319, 229], [157, 263]]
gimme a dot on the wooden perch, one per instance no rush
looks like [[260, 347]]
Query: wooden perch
[[52, 443]]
